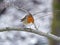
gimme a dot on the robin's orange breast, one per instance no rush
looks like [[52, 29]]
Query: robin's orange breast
[[30, 19]]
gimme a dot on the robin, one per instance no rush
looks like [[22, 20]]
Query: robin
[[28, 19]]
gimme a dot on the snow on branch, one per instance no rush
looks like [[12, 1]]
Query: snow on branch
[[48, 35]]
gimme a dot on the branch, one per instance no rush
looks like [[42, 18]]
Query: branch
[[48, 35]]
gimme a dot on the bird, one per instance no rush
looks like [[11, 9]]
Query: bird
[[28, 19]]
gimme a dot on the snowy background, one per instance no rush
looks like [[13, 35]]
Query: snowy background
[[11, 18]]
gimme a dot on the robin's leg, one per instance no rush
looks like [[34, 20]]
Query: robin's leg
[[30, 26], [35, 26]]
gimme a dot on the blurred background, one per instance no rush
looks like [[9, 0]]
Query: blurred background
[[47, 20]]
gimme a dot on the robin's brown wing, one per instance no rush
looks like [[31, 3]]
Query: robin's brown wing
[[23, 19]]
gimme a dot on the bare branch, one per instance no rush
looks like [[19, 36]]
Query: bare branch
[[48, 35]]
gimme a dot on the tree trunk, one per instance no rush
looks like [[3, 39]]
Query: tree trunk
[[56, 20]]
